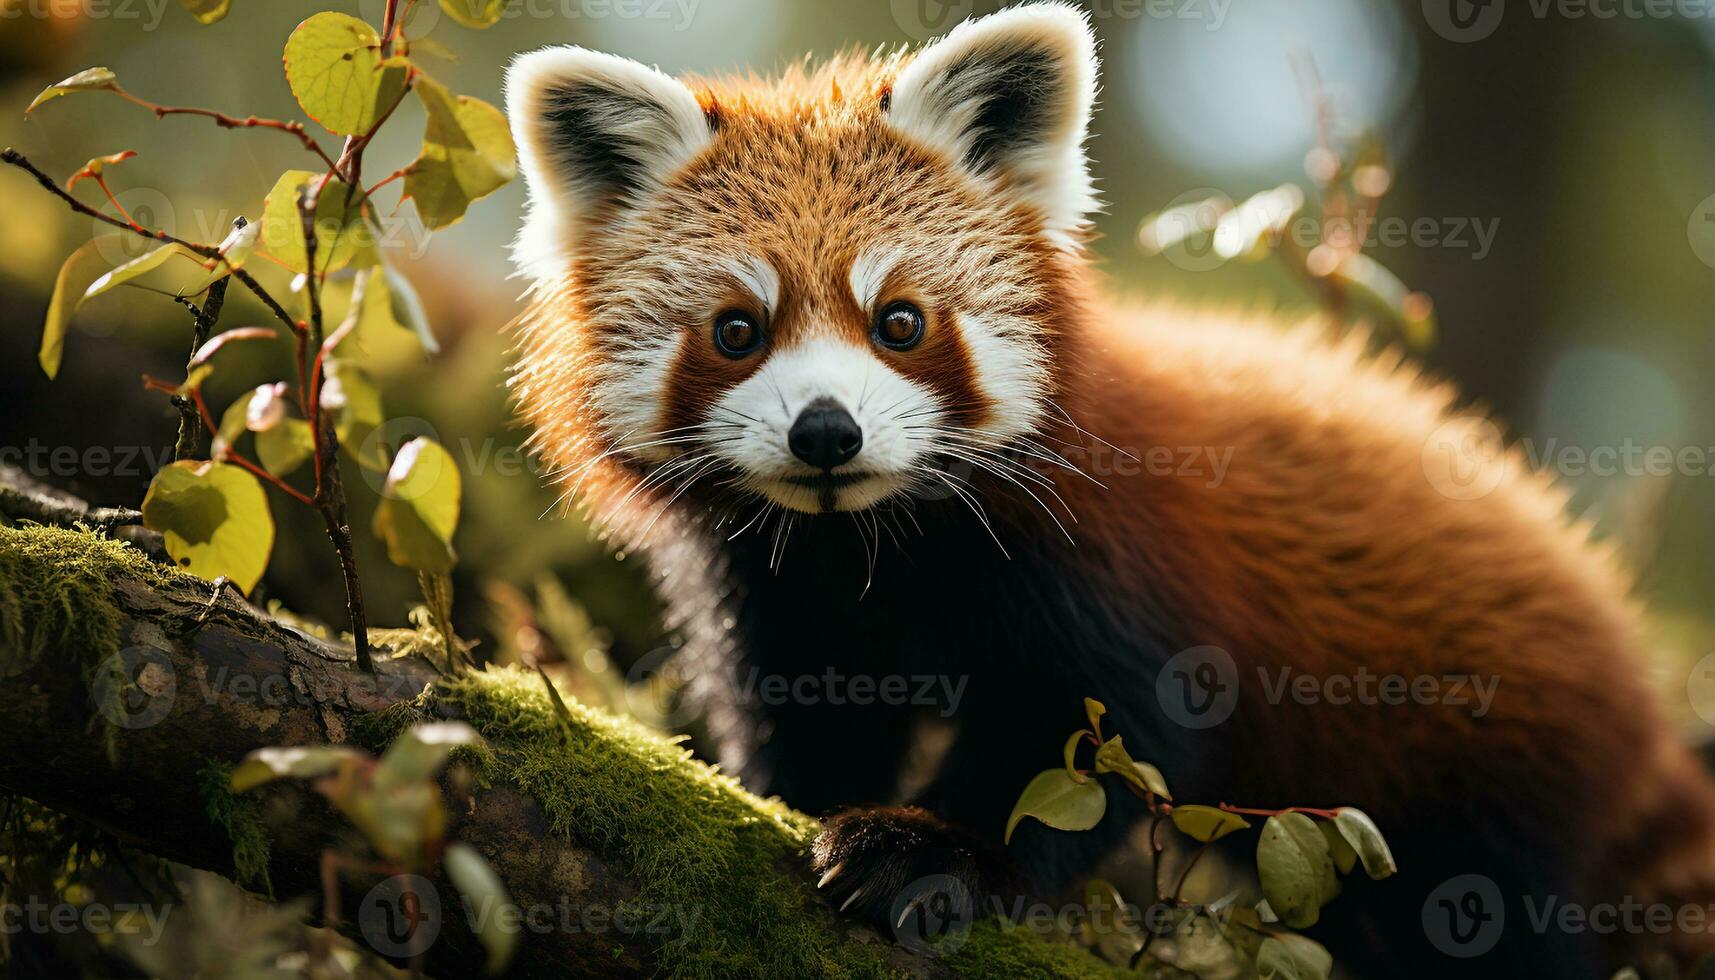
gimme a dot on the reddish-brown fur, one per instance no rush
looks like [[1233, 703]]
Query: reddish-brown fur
[[1327, 547]]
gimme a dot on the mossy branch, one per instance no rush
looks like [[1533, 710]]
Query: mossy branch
[[578, 810]]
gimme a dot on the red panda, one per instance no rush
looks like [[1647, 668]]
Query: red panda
[[828, 351]]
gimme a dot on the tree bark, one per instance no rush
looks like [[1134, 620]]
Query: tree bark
[[223, 679]]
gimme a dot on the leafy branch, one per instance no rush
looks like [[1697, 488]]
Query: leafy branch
[[1298, 861], [319, 225]]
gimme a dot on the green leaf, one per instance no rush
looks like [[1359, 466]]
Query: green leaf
[[1206, 823], [467, 154], [207, 11], [1058, 801], [214, 518], [356, 403], [335, 69], [88, 80], [291, 762], [419, 507], [475, 13], [373, 314], [341, 233], [141, 265], [285, 447], [408, 309], [1288, 956], [1069, 753], [1112, 757], [421, 751], [1296, 869], [81, 269], [1095, 710], [1366, 839], [1345, 859], [232, 426], [482, 889]]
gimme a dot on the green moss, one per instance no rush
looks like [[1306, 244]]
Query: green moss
[[56, 596], [55, 590], [997, 949], [692, 838], [241, 818]]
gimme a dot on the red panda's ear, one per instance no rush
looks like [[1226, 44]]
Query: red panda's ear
[[596, 133], [1008, 97]]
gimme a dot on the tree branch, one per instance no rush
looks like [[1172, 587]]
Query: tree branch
[[242, 681]]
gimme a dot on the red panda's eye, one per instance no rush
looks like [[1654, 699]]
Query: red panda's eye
[[900, 326], [736, 334]]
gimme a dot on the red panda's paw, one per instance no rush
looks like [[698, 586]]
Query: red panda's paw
[[910, 873]]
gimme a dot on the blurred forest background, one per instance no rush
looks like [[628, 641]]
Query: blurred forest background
[[1559, 168]]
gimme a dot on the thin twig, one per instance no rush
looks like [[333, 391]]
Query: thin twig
[[190, 423], [225, 121], [18, 160]]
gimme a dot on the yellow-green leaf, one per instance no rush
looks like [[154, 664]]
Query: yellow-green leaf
[[286, 446], [421, 751], [1366, 839], [475, 13], [1057, 800], [1112, 757], [1296, 869], [1345, 859], [356, 403], [337, 74], [340, 229], [467, 154], [482, 889], [290, 762], [88, 80], [207, 11], [1288, 956], [1206, 823], [419, 507], [1094, 710], [141, 265], [214, 519], [81, 269]]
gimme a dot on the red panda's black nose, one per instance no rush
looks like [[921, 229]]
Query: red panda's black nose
[[825, 435]]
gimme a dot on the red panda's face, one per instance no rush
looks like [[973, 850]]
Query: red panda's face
[[820, 290]]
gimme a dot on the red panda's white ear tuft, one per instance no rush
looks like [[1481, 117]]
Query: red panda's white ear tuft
[[1008, 96], [596, 134]]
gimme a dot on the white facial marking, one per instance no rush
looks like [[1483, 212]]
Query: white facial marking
[[886, 405], [1009, 369], [759, 278], [869, 274]]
